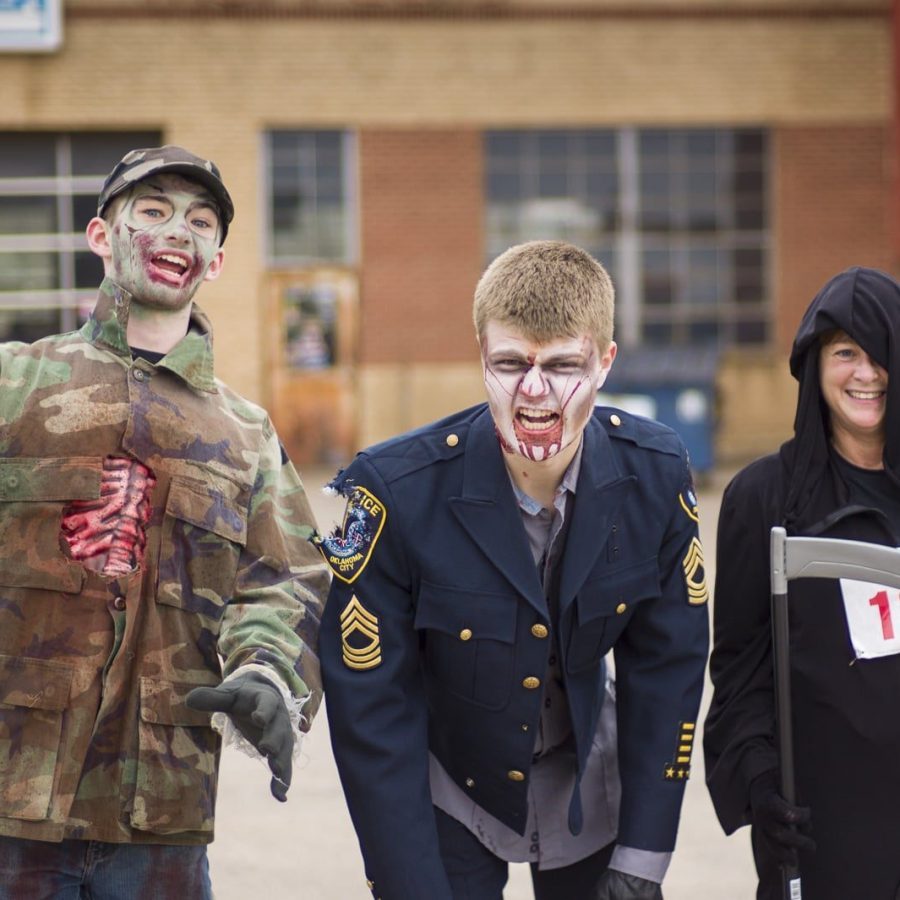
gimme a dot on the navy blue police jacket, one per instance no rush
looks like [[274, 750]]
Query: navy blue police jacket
[[437, 627]]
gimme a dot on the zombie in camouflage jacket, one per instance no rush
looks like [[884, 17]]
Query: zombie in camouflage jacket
[[96, 741]]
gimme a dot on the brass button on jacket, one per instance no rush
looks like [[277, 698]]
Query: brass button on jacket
[[540, 631], [531, 682], [621, 608], [465, 634], [515, 775]]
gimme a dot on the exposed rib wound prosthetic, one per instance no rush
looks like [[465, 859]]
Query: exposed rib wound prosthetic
[[108, 535]]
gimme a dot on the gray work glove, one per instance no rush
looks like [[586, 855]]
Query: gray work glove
[[783, 829], [256, 708], [615, 885]]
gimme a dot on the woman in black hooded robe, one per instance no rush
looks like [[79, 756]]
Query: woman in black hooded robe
[[839, 476]]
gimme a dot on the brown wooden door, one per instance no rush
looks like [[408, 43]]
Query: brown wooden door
[[312, 372]]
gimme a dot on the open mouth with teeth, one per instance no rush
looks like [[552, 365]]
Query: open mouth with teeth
[[170, 267], [866, 396], [538, 431]]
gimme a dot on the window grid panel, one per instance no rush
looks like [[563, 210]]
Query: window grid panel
[[27, 215], [700, 299], [312, 197], [684, 209], [61, 243], [39, 265], [549, 185]]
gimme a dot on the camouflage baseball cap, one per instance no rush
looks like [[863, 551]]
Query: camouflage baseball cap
[[138, 164]]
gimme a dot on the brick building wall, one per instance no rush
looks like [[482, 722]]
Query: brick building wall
[[832, 204], [422, 249], [422, 243], [833, 209], [419, 90]]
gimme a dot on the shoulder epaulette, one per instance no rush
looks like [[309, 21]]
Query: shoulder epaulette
[[644, 432]]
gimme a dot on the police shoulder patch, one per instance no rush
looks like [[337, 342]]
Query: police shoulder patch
[[688, 500], [350, 548]]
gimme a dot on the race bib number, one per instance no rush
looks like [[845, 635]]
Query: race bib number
[[873, 618]]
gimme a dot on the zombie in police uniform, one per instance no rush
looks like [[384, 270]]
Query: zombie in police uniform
[[151, 530], [838, 477], [485, 565]]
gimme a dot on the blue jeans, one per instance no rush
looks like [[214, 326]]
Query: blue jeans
[[93, 870]]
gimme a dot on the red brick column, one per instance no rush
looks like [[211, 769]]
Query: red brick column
[[832, 209], [422, 245]]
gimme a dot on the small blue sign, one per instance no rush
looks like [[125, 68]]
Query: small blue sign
[[27, 25]]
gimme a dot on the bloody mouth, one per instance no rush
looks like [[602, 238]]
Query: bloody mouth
[[170, 268], [539, 433]]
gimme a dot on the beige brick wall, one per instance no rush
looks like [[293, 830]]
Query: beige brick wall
[[756, 401], [396, 398], [446, 72]]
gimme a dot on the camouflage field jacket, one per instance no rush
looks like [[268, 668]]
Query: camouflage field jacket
[[96, 741]]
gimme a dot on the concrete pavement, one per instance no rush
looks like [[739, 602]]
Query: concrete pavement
[[305, 849]]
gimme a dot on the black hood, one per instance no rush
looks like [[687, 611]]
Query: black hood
[[865, 303]]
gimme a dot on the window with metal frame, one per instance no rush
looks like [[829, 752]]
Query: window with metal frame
[[49, 183], [680, 218], [311, 197]]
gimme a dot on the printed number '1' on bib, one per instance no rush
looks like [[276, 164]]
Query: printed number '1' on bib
[[873, 618]]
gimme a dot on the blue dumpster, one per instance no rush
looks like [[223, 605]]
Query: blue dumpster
[[676, 386]]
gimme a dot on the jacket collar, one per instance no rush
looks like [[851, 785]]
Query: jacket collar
[[486, 474], [191, 359], [488, 510]]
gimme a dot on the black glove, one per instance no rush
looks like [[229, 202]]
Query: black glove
[[781, 828], [257, 709], [615, 885]]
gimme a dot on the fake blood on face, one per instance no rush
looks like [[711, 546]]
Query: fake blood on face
[[164, 272], [172, 267], [540, 394], [164, 241]]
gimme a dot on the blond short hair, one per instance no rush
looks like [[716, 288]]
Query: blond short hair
[[547, 290]]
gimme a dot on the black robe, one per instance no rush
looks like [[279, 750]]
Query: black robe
[[846, 712]]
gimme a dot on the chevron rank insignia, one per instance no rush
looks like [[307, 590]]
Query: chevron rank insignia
[[360, 641], [695, 574], [349, 549], [688, 500], [680, 768]]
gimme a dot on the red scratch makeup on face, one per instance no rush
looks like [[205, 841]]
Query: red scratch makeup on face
[[540, 394]]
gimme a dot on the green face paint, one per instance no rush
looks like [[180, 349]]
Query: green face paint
[[164, 239]]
